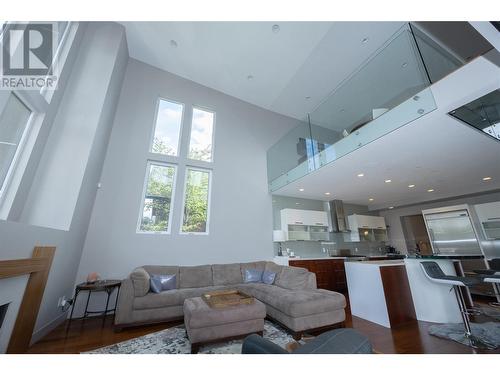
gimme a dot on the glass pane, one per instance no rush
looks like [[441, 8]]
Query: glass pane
[[158, 198], [13, 122], [202, 127], [167, 128], [196, 201]]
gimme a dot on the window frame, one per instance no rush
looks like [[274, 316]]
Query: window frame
[[155, 119], [209, 199], [143, 197], [4, 186], [212, 156]]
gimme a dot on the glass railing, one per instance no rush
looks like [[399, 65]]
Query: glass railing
[[387, 91]]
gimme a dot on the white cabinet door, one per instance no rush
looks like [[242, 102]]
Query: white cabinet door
[[318, 218], [379, 222], [487, 211]]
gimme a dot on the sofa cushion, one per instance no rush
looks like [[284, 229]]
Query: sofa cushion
[[198, 292], [268, 277], [252, 265], [140, 281], [273, 267], [293, 278], [163, 270], [226, 274], [296, 303], [158, 300], [195, 277]]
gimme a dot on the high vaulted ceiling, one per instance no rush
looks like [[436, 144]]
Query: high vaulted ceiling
[[289, 72]]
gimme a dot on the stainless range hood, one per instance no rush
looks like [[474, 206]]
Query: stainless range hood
[[336, 216]]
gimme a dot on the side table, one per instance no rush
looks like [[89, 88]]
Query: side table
[[107, 286]]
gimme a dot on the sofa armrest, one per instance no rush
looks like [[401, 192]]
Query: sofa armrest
[[141, 281], [254, 344], [123, 313]]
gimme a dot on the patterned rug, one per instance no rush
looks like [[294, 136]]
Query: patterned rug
[[488, 332], [174, 341]]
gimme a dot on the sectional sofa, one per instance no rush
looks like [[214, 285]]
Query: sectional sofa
[[292, 300]]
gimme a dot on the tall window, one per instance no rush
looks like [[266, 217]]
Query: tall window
[[187, 153], [13, 124], [168, 128], [200, 143], [158, 194], [196, 194]]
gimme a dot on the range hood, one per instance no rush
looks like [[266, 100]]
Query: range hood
[[336, 216]]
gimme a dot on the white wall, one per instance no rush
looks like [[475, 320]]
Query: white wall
[[241, 213], [19, 238]]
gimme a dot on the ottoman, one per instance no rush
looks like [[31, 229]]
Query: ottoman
[[206, 325]]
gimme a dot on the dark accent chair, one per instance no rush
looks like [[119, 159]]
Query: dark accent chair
[[337, 341]]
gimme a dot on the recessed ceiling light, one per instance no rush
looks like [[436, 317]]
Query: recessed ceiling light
[[297, 203], [411, 186], [327, 193], [361, 174], [430, 190], [173, 43], [390, 208], [404, 65], [276, 28], [308, 97], [371, 199], [342, 110], [365, 40], [387, 181], [486, 178], [301, 189], [249, 77]]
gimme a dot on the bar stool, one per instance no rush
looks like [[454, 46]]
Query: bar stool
[[436, 274], [495, 280], [494, 269]]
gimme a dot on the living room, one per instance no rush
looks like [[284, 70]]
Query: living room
[[199, 186]]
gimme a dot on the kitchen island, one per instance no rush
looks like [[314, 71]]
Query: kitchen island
[[379, 292]]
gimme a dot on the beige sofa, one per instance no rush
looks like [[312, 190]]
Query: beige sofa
[[292, 300]]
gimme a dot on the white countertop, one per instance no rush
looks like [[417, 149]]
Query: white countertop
[[381, 263]]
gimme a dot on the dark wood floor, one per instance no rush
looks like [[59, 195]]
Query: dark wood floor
[[92, 333]]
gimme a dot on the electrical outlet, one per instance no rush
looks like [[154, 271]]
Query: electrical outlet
[[62, 302]]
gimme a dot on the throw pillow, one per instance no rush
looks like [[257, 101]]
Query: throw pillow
[[160, 283], [268, 277], [252, 276]]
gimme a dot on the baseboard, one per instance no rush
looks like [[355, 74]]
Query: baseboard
[[42, 332]]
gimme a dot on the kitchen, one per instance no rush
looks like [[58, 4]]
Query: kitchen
[[352, 250]]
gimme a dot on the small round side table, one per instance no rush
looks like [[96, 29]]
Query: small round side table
[[107, 286]]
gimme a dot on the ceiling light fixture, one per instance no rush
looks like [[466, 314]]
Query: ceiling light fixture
[[404, 65], [411, 186], [486, 178], [308, 97], [387, 181], [301, 189], [371, 199], [173, 43], [297, 203], [361, 174], [430, 190], [249, 77], [276, 28], [390, 208], [365, 40], [327, 193]]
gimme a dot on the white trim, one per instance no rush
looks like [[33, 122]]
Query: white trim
[[155, 121], [209, 194], [143, 196], [212, 154]]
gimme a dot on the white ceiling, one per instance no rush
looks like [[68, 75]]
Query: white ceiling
[[302, 59], [434, 152]]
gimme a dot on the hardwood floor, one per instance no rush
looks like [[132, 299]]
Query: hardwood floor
[[411, 338]]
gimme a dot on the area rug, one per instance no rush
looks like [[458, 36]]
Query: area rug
[[488, 332], [492, 312], [174, 341]]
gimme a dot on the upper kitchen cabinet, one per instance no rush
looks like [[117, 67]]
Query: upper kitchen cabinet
[[489, 217], [367, 228], [304, 224]]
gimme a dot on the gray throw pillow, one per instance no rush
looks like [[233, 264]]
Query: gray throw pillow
[[252, 276], [268, 277], [160, 283]]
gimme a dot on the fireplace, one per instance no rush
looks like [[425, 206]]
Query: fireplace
[[3, 312]]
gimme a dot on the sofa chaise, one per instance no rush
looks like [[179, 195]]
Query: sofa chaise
[[292, 300]]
